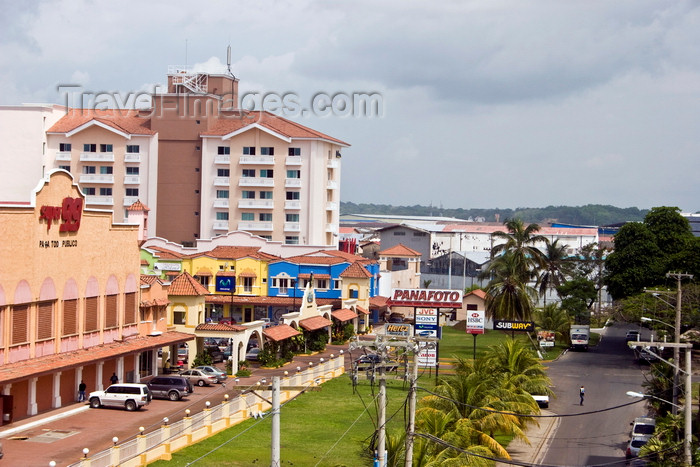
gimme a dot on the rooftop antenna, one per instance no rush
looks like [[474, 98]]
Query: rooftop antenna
[[228, 61]]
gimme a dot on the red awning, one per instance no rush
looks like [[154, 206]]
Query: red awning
[[220, 327], [203, 272], [362, 310], [312, 324], [247, 273], [226, 274], [316, 276], [344, 314], [280, 332]]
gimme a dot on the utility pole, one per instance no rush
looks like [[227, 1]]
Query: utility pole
[[677, 338], [381, 441], [275, 449], [411, 412]]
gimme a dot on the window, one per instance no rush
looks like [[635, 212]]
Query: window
[[19, 323], [266, 173], [322, 283], [89, 148], [293, 173], [132, 149], [419, 234], [247, 194], [265, 217], [106, 148], [222, 194], [292, 217], [223, 150], [223, 172], [132, 170], [179, 317], [283, 285], [267, 151], [221, 216], [132, 192], [266, 237], [354, 293], [336, 284], [248, 150], [265, 195], [106, 170], [292, 195], [89, 169], [291, 240], [248, 284], [204, 280], [247, 216], [89, 190], [111, 317], [44, 320], [64, 147], [249, 172], [64, 167], [105, 192], [399, 233], [294, 152], [70, 317]]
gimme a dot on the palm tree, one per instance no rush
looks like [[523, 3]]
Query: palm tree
[[553, 318], [556, 268], [509, 297], [521, 241]]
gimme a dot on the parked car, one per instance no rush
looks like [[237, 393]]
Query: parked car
[[199, 377], [542, 401], [396, 318], [635, 445], [370, 361], [252, 354], [632, 335], [183, 354], [643, 426], [221, 375], [646, 354], [215, 352], [130, 396], [170, 387]]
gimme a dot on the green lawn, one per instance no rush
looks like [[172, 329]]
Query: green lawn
[[330, 427]]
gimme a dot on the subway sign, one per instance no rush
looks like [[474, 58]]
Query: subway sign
[[523, 326], [426, 298]]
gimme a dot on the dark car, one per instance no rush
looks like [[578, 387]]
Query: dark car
[[170, 387], [216, 354]]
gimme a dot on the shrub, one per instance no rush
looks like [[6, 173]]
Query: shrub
[[202, 358], [243, 373]]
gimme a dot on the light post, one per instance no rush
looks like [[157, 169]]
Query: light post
[[649, 396]]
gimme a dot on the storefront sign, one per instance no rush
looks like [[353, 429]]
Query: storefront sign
[[401, 330], [426, 316], [70, 212], [546, 338], [475, 321], [167, 266], [527, 326], [426, 298], [225, 283], [427, 354]]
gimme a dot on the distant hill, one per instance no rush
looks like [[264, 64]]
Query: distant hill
[[590, 214]]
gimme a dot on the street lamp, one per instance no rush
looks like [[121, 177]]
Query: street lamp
[[649, 396], [646, 320]]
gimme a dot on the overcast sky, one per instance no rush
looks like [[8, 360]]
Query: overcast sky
[[484, 104]]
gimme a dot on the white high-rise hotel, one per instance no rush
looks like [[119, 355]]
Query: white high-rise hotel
[[202, 167]]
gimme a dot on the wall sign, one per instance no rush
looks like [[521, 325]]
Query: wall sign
[[426, 297], [527, 326], [70, 212], [225, 283]]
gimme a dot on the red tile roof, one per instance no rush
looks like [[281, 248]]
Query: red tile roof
[[154, 302], [234, 252], [399, 250], [184, 284], [270, 121], [280, 332], [266, 301], [162, 253], [356, 270], [138, 206], [64, 361], [378, 301], [314, 323], [362, 310], [220, 327], [316, 276], [125, 121], [478, 292], [147, 279], [344, 314]]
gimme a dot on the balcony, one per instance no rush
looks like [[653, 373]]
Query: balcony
[[221, 203], [96, 178], [222, 159], [221, 225], [132, 179], [295, 204], [331, 206], [132, 157], [292, 183], [255, 226], [63, 156], [293, 160], [256, 203], [332, 185], [129, 200], [256, 181], [97, 156], [101, 200], [264, 160], [292, 227], [333, 164], [222, 181]]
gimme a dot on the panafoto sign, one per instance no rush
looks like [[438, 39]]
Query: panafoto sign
[[426, 298], [475, 321], [524, 326]]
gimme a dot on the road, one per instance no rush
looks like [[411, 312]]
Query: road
[[591, 435]]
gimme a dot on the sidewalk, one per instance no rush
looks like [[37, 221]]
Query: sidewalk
[[539, 436]]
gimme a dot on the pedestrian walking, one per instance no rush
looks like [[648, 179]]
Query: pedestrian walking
[[81, 391], [114, 379], [581, 393]]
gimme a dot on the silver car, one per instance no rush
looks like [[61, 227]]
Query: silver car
[[199, 377], [220, 375]]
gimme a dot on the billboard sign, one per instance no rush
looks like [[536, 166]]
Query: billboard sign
[[427, 355], [426, 298], [427, 316], [520, 326], [401, 330], [545, 338], [475, 321]]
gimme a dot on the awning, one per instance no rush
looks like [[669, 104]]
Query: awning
[[344, 314], [203, 272], [220, 327], [312, 324], [247, 273], [226, 274], [280, 332], [362, 310], [154, 302], [64, 361], [316, 276]]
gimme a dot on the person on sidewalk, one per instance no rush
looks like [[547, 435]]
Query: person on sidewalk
[[114, 379], [581, 393], [81, 391]]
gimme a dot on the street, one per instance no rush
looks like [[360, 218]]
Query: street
[[596, 436]]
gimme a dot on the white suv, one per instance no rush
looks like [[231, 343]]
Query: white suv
[[131, 396]]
